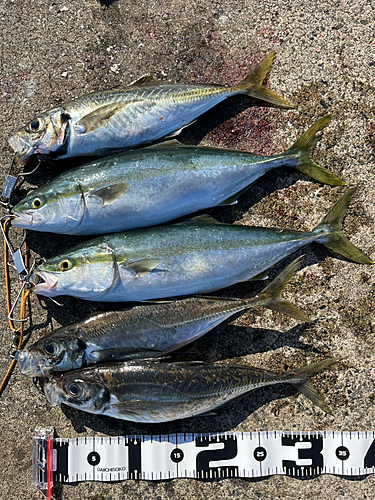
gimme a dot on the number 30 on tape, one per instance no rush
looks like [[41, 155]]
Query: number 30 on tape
[[200, 456]]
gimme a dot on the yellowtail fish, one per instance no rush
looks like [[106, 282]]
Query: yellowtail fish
[[150, 186], [196, 256], [151, 392], [144, 331], [106, 122]]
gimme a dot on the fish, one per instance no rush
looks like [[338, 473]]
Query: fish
[[145, 331], [110, 121], [193, 257], [151, 186], [153, 392]]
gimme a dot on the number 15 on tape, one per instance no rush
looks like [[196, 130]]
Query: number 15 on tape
[[199, 456]]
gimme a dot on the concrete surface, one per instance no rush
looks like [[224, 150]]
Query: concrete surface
[[52, 51]]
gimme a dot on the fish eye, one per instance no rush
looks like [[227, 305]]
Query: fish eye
[[74, 389], [49, 348], [37, 203], [64, 265], [35, 125]]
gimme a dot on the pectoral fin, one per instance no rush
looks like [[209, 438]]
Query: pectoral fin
[[141, 267], [135, 407], [99, 117], [110, 194]]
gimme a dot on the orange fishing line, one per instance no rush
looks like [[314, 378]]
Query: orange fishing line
[[24, 296]]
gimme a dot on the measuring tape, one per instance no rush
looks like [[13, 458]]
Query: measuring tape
[[200, 456]]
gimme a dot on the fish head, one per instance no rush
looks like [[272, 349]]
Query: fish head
[[87, 271], [43, 135], [59, 351], [78, 389], [54, 207]]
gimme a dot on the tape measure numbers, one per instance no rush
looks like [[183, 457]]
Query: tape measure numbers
[[200, 456]]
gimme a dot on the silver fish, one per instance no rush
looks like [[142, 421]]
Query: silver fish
[[114, 120], [144, 331], [196, 256], [150, 186], [150, 392]]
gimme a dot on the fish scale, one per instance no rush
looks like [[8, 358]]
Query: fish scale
[[149, 391], [87, 125], [149, 331], [153, 185], [196, 256]]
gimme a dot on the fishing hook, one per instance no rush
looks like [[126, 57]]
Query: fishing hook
[[14, 305], [25, 174]]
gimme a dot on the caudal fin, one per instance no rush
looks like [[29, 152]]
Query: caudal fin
[[300, 379], [254, 83], [304, 146], [271, 296], [334, 239]]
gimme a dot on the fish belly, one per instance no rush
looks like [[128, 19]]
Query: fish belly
[[165, 412]]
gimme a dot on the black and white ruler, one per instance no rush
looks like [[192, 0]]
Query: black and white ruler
[[200, 456]]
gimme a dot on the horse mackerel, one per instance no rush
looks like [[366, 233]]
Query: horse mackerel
[[152, 391]]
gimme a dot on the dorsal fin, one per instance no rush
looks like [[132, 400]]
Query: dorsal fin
[[142, 80]]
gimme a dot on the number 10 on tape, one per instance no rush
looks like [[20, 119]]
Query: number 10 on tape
[[199, 456]]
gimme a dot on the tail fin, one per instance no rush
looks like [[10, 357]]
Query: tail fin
[[304, 146], [271, 296], [300, 379], [334, 238], [254, 83]]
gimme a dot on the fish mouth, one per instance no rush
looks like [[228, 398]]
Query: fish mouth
[[46, 286], [22, 220], [22, 150], [51, 392], [27, 365]]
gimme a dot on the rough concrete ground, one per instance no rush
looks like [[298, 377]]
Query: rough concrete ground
[[52, 51]]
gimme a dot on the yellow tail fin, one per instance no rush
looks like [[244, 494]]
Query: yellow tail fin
[[254, 83]]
